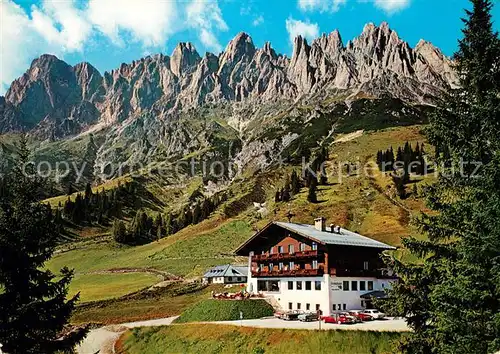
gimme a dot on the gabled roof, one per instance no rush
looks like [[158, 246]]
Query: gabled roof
[[344, 238], [227, 270]]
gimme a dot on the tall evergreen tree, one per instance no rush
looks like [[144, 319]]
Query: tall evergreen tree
[[452, 297], [33, 305], [311, 196]]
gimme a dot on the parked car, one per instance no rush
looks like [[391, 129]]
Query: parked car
[[361, 315], [291, 315], [375, 313], [308, 317], [347, 314], [339, 319]]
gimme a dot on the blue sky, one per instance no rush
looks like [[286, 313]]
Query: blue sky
[[109, 32]]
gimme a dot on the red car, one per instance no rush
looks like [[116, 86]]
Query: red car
[[339, 319], [360, 315]]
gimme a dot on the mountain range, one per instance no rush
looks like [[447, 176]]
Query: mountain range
[[253, 102]]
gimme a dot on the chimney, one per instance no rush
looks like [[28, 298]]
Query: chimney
[[320, 224], [332, 228]]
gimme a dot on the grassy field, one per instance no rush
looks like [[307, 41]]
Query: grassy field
[[202, 338], [94, 287], [225, 310], [169, 301], [187, 253]]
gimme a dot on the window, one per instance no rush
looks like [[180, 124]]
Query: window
[[308, 307], [302, 247], [229, 278], [271, 267], [308, 285], [268, 285], [365, 265], [299, 285], [370, 285], [290, 285], [315, 264], [280, 265], [317, 307], [271, 251], [339, 307], [345, 286], [344, 307], [238, 279], [292, 265], [261, 267], [334, 307], [280, 249], [298, 305], [362, 285], [263, 252], [354, 285], [314, 246], [290, 249], [290, 306], [317, 285]]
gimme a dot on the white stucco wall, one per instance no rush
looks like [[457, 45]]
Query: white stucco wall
[[350, 298], [294, 296]]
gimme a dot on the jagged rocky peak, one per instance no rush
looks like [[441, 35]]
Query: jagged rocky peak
[[89, 79], [184, 58], [240, 47], [331, 43], [45, 69]]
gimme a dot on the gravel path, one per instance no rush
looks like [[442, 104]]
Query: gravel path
[[102, 340]]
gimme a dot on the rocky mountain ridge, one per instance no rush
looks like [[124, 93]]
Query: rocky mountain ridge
[[54, 100]]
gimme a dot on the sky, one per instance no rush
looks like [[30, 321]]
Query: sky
[[107, 33]]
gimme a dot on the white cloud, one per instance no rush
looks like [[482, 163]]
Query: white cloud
[[305, 29], [74, 27], [149, 22], [391, 6], [258, 21], [20, 42], [321, 5], [206, 16]]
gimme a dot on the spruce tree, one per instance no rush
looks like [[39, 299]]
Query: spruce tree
[[33, 306], [119, 232], [311, 196], [451, 298], [295, 183]]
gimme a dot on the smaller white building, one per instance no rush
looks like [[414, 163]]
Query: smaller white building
[[226, 274]]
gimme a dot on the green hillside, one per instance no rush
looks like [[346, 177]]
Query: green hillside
[[365, 203]]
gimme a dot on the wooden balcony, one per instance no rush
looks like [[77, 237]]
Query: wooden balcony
[[285, 256], [287, 273]]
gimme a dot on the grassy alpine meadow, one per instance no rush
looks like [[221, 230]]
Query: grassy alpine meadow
[[95, 287], [225, 310], [169, 301], [208, 338]]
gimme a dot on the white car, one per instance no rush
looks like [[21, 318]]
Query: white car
[[375, 313]]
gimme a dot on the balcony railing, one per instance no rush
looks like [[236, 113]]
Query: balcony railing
[[285, 256], [288, 273]]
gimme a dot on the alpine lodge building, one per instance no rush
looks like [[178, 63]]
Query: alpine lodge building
[[311, 267]]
